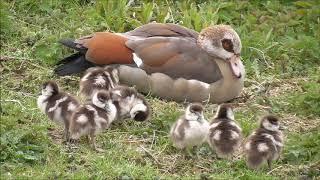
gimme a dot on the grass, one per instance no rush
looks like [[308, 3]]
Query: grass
[[280, 52]]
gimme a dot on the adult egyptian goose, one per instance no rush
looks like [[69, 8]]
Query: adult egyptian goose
[[167, 60]]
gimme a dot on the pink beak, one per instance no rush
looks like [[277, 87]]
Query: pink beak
[[236, 66]]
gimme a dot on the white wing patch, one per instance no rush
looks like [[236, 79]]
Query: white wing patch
[[71, 106], [262, 147], [137, 59], [110, 80], [216, 124], [82, 119], [100, 81], [85, 77], [273, 140], [217, 135], [232, 123], [57, 104], [234, 135]]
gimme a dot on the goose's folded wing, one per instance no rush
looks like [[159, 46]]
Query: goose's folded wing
[[176, 57], [162, 30]]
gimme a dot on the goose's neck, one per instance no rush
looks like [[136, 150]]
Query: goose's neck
[[229, 86]]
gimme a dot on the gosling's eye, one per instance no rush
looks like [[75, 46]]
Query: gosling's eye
[[227, 45]]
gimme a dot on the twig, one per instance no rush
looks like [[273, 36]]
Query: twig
[[206, 169], [7, 58], [170, 11], [153, 138], [262, 107], [16, 101], [207, 101], [263, 56], [172, 165], [274, 169], [163, 149], [135, 141], [150, 154], [23, 93], [35, 65]]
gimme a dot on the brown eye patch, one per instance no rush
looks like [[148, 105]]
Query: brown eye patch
[[227, 45]]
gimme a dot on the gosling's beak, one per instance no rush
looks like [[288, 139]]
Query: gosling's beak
[[236, 66]]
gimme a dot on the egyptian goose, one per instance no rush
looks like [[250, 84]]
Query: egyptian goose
[[166, 60], [191, 129], [265, 143], [225, 134], [57, 105]]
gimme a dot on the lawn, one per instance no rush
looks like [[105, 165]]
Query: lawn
[[280, 52]]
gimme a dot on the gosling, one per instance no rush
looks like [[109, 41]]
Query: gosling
[[265, 143], [57, 105], [225, 135], [191, 129]]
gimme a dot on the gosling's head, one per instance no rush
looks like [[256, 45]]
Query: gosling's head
[[270, 122], [194, 112], [49, 88], [140, 110], [101, 99], [224, 111], [113, 73]]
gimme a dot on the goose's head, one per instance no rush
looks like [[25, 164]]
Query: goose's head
[[223, 42]]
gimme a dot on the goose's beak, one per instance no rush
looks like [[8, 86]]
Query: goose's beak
[[236, 66]]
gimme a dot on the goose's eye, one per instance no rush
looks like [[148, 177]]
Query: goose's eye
[[227, 45]]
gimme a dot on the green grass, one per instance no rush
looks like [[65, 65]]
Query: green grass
[[280, 51]]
